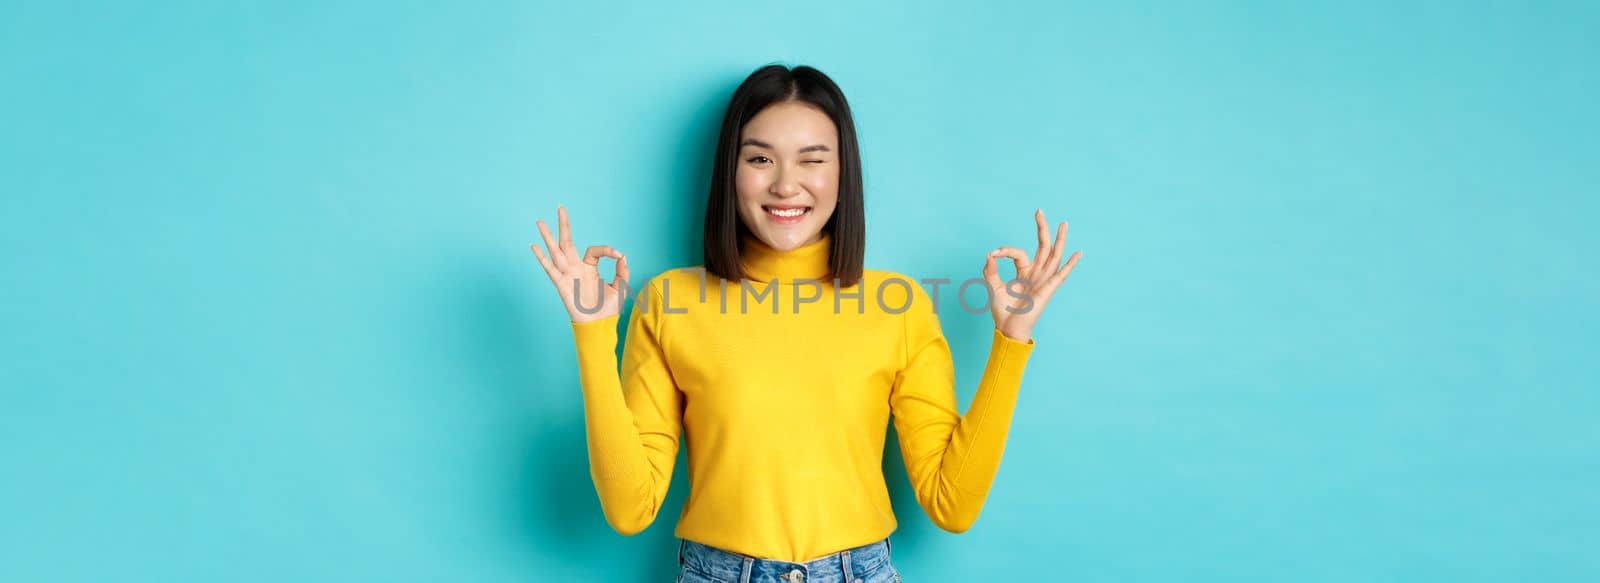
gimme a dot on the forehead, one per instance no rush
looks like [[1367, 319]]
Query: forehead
[[791, 124]]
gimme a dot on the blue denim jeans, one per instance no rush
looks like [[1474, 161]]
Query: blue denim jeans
[[870, 563]]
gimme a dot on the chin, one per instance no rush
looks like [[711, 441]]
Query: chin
[[786, 239]]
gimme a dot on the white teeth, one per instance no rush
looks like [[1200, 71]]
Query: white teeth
[[788, 212]]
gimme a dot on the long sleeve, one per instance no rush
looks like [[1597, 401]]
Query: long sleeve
[[951, 459], [632, 420]]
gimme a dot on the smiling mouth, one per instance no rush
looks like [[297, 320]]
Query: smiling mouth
[[787, 212]]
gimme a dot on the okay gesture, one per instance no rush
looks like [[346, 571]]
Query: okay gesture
[[577, 277], [1017, 304]]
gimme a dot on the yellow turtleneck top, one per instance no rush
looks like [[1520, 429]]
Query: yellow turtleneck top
[[784, 390]]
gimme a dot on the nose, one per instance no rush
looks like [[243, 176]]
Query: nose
[[786, 186]]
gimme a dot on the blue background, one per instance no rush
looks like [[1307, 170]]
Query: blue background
[[269, 313]]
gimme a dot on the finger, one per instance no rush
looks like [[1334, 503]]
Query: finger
[[991, 272], [1044, 237], [550, 245], [1060, 276], [566, 230], [1066, 269], [1054, 257], [593, 254], [1018, 258], [549, 268], [621, 278]]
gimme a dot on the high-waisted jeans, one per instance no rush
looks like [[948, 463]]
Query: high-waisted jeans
[[870, 563]]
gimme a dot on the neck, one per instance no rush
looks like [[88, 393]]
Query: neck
[[762, 262]]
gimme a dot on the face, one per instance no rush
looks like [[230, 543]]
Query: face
[[788, 177]]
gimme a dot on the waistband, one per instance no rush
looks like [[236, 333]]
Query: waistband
[[844, 565]]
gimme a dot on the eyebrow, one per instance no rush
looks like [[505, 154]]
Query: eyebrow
[[760, 144]]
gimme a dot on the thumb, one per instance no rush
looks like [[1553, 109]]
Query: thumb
[[991, 271]]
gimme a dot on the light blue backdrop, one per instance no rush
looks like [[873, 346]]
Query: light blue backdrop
[[269, 314]]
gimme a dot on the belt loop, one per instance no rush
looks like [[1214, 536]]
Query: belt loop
[[681, 542], [744, 574], [849, 577], [889, 547]]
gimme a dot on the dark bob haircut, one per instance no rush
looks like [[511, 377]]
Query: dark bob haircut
[[848, 225]]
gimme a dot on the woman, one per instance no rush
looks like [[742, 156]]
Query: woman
[[781, 359]]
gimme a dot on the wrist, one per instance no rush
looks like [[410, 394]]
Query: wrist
[[1017, 333], [589, 318]]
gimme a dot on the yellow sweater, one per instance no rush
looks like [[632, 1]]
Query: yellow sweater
[[786, 413]]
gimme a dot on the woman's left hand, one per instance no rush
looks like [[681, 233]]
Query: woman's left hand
[[1017, 304]]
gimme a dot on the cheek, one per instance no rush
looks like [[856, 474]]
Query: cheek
[[749, 184], [824, 185]]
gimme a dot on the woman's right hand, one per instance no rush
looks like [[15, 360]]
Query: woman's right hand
[[577, 279]]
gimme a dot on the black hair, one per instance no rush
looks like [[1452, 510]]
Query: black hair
[[847, 226]]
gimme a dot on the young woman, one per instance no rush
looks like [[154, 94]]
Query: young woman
[[781, 360]]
